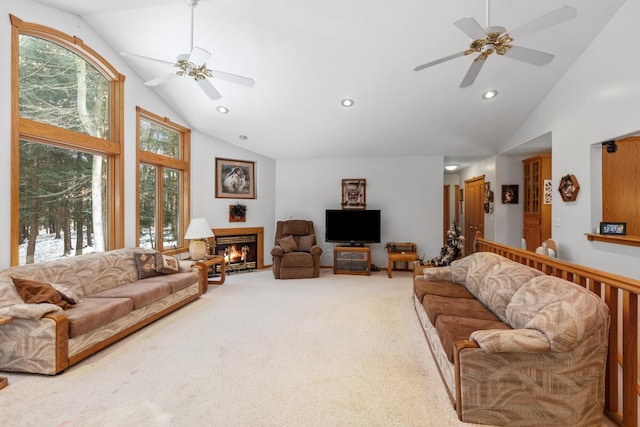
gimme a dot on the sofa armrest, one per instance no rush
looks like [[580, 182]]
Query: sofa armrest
[[29, 311], [277, 251], [511, 341], [437, 273]]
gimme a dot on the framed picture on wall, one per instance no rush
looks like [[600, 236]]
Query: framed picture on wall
[[510, 194], [354, 194], [235, 179]]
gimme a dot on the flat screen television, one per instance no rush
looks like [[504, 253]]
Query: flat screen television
[[352, 226]]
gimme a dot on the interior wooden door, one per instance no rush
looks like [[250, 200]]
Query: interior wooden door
[[473, 211], [446, 212]]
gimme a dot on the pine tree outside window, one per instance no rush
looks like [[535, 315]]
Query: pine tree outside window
[[163, 183], [66, 153]]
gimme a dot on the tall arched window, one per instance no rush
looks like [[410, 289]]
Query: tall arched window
[[67, 106]]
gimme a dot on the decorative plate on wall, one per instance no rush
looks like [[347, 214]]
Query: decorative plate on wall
[[569, 188]]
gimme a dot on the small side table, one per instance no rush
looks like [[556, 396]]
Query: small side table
[[3, 380], [211, 261]]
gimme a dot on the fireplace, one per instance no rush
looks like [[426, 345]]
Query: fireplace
[[242, 247]]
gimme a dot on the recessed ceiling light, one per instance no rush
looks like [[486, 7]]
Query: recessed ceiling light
[[222, 109], [451, 167], [346, 102], [490, 94], [243, 137]]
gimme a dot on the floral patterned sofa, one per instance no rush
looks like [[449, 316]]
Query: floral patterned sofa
[[514, 346], [106, 296]]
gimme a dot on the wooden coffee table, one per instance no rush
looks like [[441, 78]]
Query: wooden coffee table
[[3, 380]]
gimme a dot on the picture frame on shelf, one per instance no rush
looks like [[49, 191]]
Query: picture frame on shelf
[[613, 228], [235, 179], [354, 193]]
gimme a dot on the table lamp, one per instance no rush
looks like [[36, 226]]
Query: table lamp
[[197, 231]]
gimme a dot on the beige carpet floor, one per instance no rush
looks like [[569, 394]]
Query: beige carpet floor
[[334, 351]]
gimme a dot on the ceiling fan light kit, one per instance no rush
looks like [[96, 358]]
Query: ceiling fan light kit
[[193, 65], [496, 39]]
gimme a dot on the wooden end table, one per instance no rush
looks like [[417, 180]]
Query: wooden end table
[[211, 261], [393, 257], [3, 380]]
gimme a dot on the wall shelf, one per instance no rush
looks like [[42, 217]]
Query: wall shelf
[[618, 240]]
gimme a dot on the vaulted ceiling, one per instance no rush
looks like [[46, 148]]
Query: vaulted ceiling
[[305, 56]]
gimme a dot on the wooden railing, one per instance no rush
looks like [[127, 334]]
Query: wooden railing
[[621, 295]]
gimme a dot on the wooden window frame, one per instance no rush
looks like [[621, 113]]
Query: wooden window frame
[[112, 148], [183, 164]]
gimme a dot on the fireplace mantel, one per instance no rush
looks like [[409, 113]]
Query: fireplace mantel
[[239, 231]]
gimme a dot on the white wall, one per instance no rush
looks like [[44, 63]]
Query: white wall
[[204, 148], [408, 191], [260, 211], [598, 99]]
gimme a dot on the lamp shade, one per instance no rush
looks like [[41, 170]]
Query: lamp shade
[[198, 229]]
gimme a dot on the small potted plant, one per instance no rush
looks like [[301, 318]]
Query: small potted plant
[[237, 212]]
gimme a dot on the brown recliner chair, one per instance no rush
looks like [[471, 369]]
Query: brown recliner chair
[[295, 254]]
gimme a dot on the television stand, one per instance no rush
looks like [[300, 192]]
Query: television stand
[[352, 260]]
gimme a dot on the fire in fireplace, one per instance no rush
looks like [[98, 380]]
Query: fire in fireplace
[[239, 252]]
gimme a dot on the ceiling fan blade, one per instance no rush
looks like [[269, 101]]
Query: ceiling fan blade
[[438, 61], [160, 80], [198, 56], [472, 73], [208, 88], [470, 27], [530, 56], [233, 78], [146, 59], [545, 21]]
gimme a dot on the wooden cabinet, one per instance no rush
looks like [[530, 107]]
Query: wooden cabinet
[[352, 260], [537, 214]]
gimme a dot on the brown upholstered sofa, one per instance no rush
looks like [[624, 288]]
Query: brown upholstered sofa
[[514, 346], [295, 254], [113, 302]]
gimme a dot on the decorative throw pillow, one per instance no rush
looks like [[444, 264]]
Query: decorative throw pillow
[[67, 293], [146, 263], [288, 244], [167, 264], [306, 242], [33, 292]]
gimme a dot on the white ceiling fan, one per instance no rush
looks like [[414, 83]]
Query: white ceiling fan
[[486, 41], [194, 65]]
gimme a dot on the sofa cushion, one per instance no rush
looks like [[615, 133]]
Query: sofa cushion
[[306, 242], [179, 281], [34, 292], [297, 259], [442, 288], [67, 293], [470, 269], [288, 244], [166, 264], [142, 292], [435, 305], [565, 312], [146, 264], [93, 313], [452, 329], [501, 282]]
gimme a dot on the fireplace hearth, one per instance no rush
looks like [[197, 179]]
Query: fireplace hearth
[[242, 248]]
